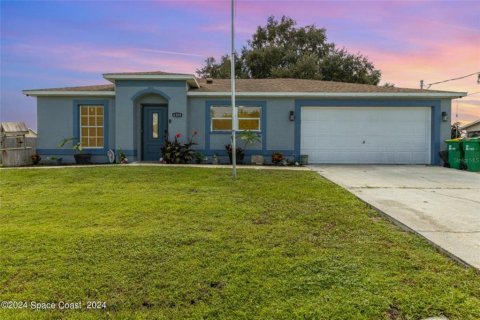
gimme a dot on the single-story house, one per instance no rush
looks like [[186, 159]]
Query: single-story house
[[331, 122], [472, 128]]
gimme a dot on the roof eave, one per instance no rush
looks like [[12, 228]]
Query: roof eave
[[64, 93], [471, 124], [191, 80], [420, 95]]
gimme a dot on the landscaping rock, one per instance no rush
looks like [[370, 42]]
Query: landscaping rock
[[257, 159]]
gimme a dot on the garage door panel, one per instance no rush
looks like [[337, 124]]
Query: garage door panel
[[341, 157], [366, 134]]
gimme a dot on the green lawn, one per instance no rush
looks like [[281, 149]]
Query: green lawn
[[177, 243]]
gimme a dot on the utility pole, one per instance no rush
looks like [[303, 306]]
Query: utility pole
[[234, 109], [453, 79]]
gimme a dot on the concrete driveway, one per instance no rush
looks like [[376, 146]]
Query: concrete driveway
[[443, 205]]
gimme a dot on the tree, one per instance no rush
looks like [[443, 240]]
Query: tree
[[221, 70], [280, 49]]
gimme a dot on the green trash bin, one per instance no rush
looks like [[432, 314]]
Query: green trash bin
[[471, 151], [455, 153]]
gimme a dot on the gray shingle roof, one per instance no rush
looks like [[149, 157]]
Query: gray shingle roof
[[261, 85], [295, 85], [157, 73], [99, 87]]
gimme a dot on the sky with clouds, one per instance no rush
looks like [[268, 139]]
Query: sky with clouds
[[69, 43]]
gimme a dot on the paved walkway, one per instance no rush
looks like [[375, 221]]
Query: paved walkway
[[151, 164], [442, 205]]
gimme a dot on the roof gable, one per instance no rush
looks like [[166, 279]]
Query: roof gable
[[153, 75], [12, 128], [471, 124]]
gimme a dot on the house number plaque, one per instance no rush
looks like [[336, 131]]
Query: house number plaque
[[177, 114]]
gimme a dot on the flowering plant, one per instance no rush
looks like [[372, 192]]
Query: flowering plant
[[177, 152], [122, 157]]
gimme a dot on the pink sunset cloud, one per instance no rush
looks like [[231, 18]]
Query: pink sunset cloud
[[101, 60], [408, 41]]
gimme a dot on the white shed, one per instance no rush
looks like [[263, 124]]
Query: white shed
[[472, 128]]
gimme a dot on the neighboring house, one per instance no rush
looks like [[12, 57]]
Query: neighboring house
[[31, 133], [473, 129], [331, 122]]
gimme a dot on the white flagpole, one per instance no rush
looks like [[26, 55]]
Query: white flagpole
[[234, 109]]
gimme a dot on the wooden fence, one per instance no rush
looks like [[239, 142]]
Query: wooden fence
[[17, 151]]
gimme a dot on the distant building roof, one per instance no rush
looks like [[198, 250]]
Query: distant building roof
[[13, 128], [31, 133], [471, 124]]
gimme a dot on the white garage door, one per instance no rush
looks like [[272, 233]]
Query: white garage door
[[391, 135]]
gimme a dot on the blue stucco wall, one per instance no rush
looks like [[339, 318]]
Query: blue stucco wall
[[445, 128], [127, 121], [57, 120], [277, 130], [284, 136]]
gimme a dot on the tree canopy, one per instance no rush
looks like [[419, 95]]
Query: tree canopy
[[280, 49]]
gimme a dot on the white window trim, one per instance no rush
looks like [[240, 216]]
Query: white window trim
[[259, 119], [88, 127]]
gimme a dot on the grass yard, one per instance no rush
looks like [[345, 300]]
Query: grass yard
[[189, 243]]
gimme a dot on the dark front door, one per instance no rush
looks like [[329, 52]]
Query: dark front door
[[154, 126]]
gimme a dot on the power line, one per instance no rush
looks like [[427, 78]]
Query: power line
[[462, 77]]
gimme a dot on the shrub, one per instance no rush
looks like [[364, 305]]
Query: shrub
[[176, 152], [277, 157], [35, 158], [249, 137], [198, 157]]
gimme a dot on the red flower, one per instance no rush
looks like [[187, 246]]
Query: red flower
[[195, 132], [178, 135]]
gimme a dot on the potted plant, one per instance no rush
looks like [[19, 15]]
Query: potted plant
[[240, 153], [35, 159], [248, 138], [80, 157], [122, 157], [277, 158]]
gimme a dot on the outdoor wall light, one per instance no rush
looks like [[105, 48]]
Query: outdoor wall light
[[444, 116], [291, 117]]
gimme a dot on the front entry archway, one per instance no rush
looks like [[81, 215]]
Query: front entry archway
[[154, 131]]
